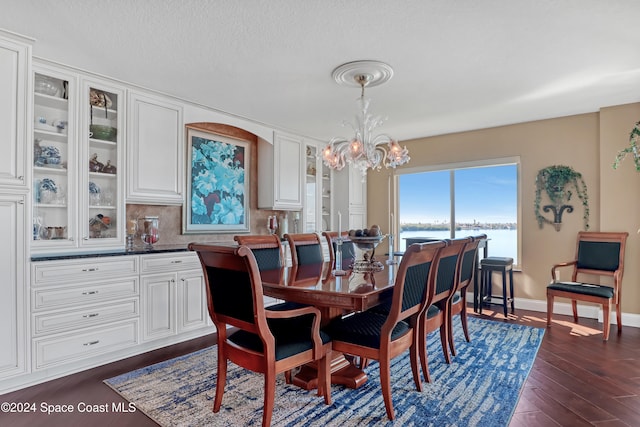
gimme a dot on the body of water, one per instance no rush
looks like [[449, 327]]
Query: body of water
[[502, 243]]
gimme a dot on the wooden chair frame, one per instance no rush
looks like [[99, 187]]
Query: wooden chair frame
[[416, 254], [616, 275], [454, 247], [331, 236], [302, 239], [261, 241], [241, 259], [460, 307]]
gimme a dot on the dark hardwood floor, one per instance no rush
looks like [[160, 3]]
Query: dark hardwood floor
[[576, 380]]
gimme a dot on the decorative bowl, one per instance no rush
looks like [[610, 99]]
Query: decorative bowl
[[367, 243], [106, 133]]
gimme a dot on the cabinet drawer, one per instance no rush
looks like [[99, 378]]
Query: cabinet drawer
[[169, 262], [81, 344], [44, 298], [61, 321], [85, 269]]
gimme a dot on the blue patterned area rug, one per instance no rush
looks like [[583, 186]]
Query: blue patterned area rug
[[480, 387]]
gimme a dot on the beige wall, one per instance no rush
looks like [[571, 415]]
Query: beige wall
[[586, 142]]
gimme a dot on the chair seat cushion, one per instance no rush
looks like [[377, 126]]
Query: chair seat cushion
[[496, 260], [583, 289], [364, 329], [292, 336], [456, 298], [433, 311]]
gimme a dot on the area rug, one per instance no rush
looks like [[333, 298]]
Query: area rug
[[480, 387]]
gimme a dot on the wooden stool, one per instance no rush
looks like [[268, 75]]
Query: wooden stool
[[487, 267]]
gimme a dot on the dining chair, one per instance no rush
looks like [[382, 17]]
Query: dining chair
[[267, 249], [348, 248], [436, 314], [372, 335], [597, 254], [458, 302], [306, 248], [262, 340]]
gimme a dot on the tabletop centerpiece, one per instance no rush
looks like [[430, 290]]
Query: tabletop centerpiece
[[367, 240]]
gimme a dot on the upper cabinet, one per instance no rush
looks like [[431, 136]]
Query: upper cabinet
[[15, 60], [318, 208], [155, 150], [351, 198], [78, 136], [280, 172]]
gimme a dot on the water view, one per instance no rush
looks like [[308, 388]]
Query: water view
[[501, 242]]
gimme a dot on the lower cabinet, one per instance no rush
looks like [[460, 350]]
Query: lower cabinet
[[85, 312], [174, 301]]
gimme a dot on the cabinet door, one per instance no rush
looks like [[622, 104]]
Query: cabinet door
[[357, 189], [54, 176], [192, 300], [154, 150], [12, 285], [158, 302], [15, 60], [100, 188], [288, 171]]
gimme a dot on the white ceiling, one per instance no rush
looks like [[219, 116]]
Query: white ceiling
[[458, 64]]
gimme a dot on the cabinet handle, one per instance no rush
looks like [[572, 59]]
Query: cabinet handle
[[86, 316], [91, 343], [90, 293], [21, 178], [173, 280], [176, 262], [90, 269]]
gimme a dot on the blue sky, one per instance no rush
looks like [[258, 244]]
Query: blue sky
[[485, 194]]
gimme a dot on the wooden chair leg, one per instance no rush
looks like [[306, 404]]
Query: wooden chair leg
[[221, 381], [422, 351], [324, 377], [413, 354], [444, 341], [619, 317], [385, 385], [574, 307], [452, 346], [606, 321], [549, 309], [269, 396], [463, 319]]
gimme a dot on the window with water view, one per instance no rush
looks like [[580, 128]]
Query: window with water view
[[476, 200]]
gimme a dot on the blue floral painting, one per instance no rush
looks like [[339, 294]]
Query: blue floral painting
[[218, 184]]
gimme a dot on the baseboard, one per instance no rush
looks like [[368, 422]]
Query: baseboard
[[588, 311]]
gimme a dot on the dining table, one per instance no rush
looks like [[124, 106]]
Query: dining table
[[334, 294]]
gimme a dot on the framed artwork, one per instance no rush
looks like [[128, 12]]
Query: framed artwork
[[217, 184]]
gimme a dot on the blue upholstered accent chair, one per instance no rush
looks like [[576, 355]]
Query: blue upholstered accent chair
[[458, 302], [263, 340], [348, 248], [383, 336], [306, 248], [597, 254], [438, 303]]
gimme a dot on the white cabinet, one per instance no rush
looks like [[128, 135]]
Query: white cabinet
[[280, 172], [12, 285], [83, 308], [78, 198], [173, 295], [318, 207], [15, 64], [155, 150], [350, 197]]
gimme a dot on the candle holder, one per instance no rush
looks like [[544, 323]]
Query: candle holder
[[391, 260], [338, 271]]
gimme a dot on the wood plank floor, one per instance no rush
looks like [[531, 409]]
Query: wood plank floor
[[576, 380]]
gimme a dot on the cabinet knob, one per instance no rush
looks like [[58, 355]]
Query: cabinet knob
[[91, 343], [176, 261], [90, 293], [90, 269], [21, 178], [87, 316]]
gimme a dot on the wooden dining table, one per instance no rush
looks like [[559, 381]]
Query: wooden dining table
[[334, 295]]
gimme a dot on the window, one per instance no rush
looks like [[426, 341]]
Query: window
[[478, 197]]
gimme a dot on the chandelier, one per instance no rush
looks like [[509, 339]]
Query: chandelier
[[364, 150]]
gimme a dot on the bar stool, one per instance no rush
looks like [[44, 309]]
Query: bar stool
[[487, 267]]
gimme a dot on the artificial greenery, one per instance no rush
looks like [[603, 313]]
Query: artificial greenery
[[554, 180], [632, 149]]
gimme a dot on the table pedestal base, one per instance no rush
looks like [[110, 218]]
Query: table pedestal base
[[342, 372]]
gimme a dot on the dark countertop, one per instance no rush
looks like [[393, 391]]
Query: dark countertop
[[137, 250]]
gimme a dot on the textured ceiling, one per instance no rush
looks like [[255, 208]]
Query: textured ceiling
[[458, 65]]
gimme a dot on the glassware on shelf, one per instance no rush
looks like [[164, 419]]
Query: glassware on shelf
[[272, 224], [149, 230]]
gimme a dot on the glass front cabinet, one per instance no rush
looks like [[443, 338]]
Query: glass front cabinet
[[77, 153], [318, 199]]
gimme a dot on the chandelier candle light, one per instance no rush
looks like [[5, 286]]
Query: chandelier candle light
[[364, 150]]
